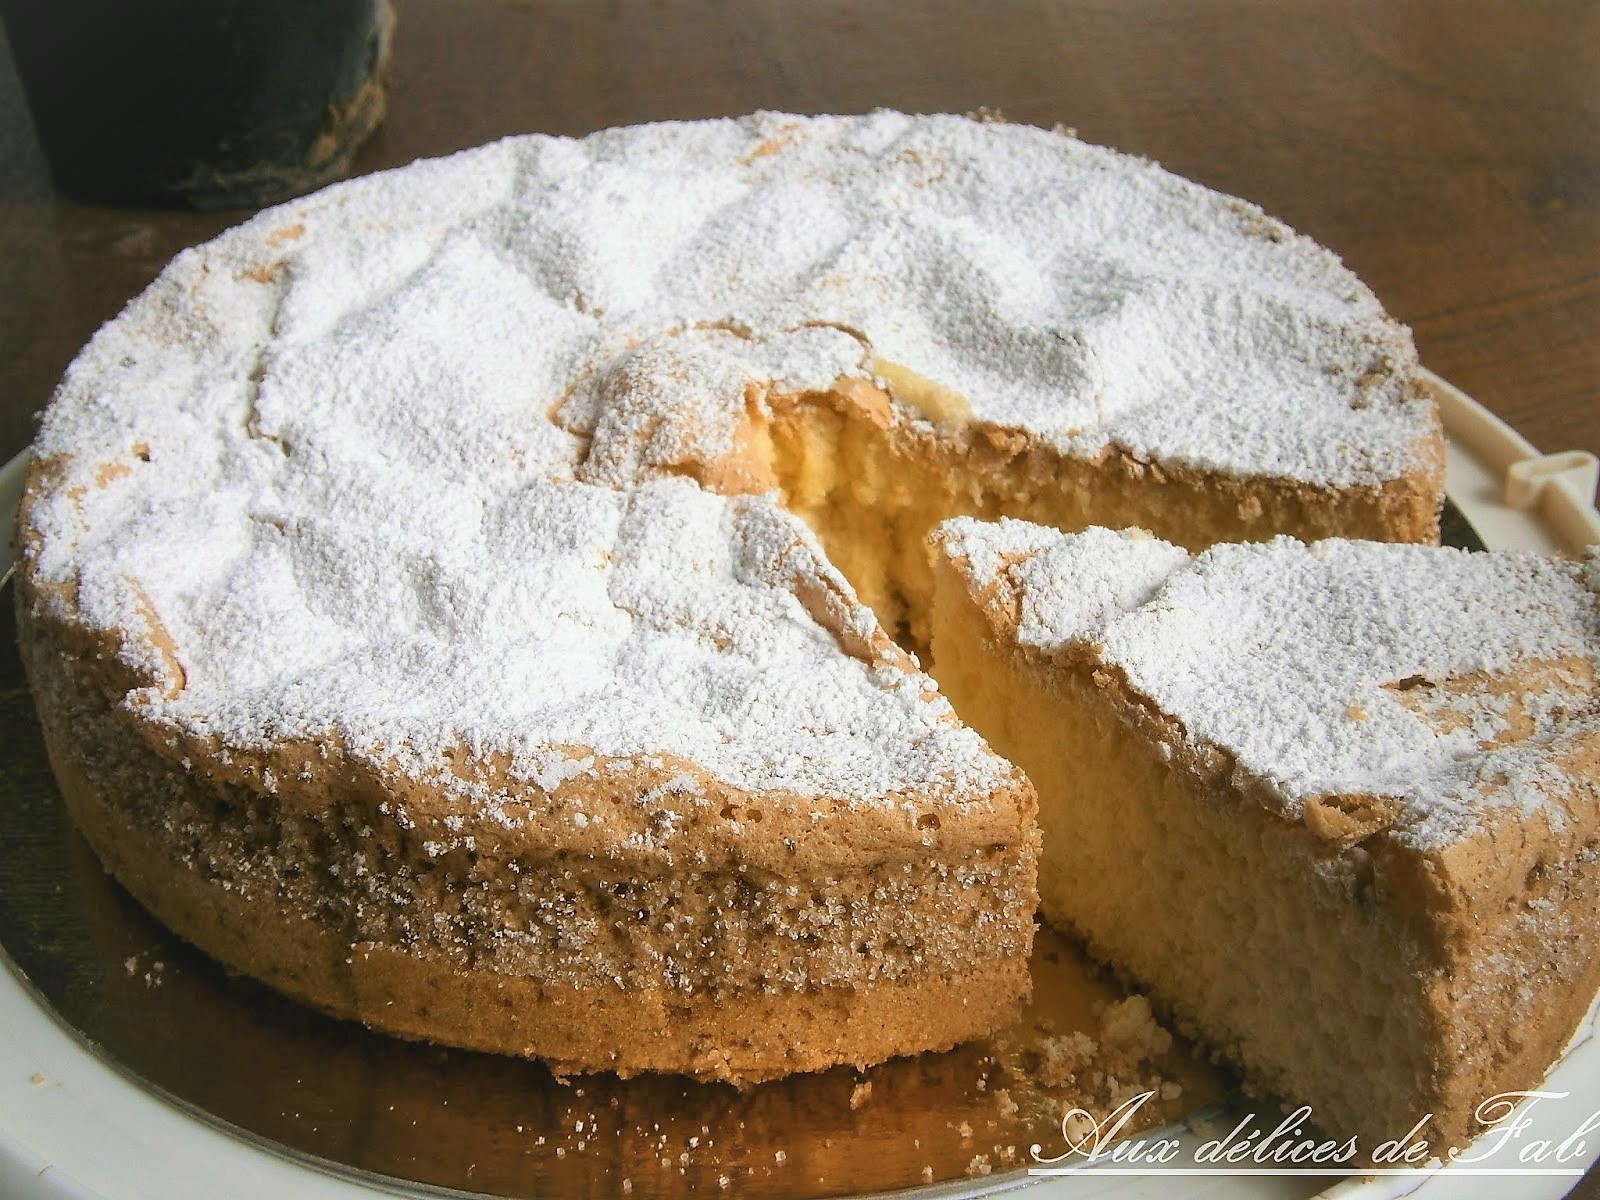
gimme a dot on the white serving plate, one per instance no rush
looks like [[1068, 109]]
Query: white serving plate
[[75, 1127]]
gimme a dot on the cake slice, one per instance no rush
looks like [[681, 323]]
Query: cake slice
[[1336, 806]]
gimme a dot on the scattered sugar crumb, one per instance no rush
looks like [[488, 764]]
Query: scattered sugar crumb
[[979, 1165], [1128, 1030], [860, 1094], [1116, 1064], [1064, 1056]]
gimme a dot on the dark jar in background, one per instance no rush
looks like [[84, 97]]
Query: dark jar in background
[[211, 103]]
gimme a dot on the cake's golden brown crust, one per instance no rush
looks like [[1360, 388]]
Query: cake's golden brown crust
[[743, 1038], [932, 934]]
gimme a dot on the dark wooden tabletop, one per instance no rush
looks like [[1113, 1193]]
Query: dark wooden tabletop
[[1449, 151]]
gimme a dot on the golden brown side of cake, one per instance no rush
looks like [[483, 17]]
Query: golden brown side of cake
[[747, 957], [1382, 950]]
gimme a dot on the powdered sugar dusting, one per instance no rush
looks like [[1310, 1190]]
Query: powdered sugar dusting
[[1332, 669], [378, 464], [661, 620]]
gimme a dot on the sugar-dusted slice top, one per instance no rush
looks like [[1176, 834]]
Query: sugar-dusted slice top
[[1449, 683]]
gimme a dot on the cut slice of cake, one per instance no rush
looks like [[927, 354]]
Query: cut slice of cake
[[1337, 806]]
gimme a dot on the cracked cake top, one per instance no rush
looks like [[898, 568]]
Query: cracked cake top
[[439, 458]]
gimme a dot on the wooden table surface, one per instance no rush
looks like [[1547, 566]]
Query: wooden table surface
[[1449, 151]]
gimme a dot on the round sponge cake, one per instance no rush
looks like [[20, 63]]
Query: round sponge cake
[[482, 598]]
